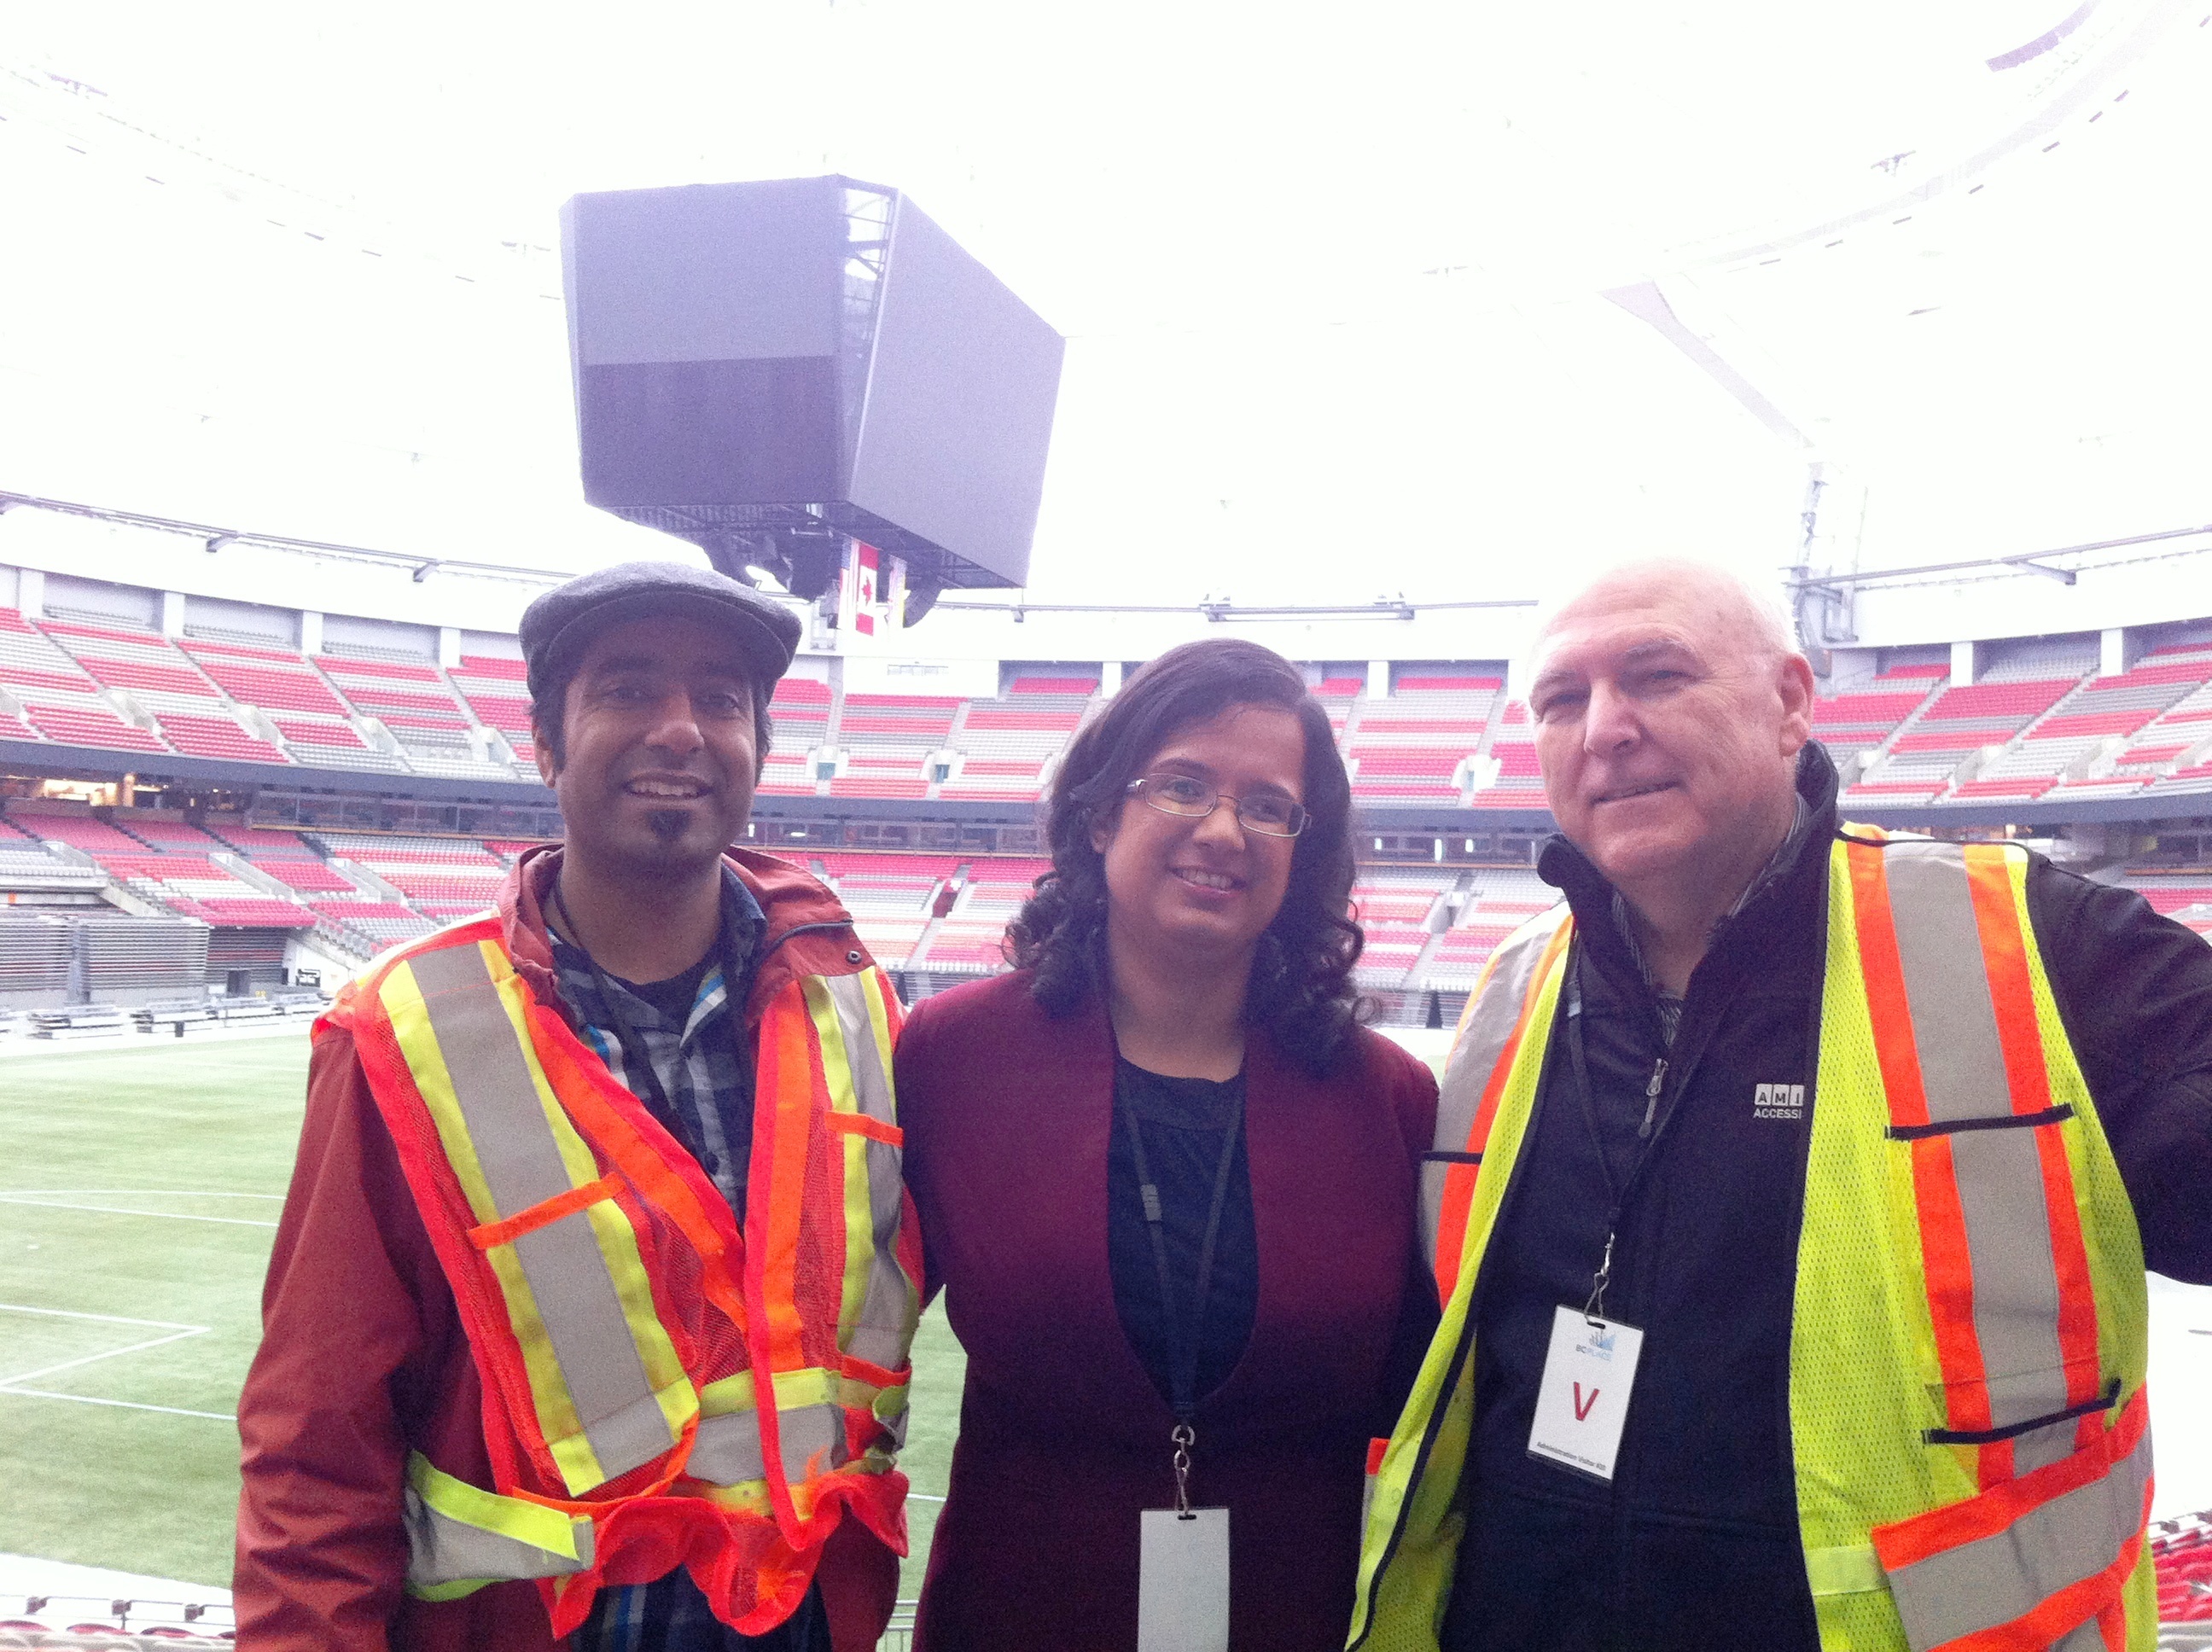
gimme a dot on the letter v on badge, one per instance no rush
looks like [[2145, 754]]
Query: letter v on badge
[[1582, 1403]]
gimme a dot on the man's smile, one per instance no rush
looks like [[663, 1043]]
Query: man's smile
[[664, 787]]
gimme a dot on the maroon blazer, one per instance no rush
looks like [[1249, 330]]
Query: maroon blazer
[[1063, 1437]]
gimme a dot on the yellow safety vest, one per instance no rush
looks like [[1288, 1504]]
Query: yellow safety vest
[[659, 1389], [1968, 1342]]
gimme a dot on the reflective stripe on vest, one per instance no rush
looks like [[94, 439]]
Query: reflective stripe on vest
[[850, 1019], [1955, 1025], [1490, 1028], [460, 1537], [2032, 1566], [1968, 1424], [545, 1184], [611, 1393]]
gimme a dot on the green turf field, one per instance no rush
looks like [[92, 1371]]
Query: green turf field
[[138, 1197]]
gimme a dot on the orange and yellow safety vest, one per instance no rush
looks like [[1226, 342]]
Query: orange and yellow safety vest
[[1968, 1418], [659, 1389]]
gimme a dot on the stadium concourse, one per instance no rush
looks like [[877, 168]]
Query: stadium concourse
[[212, 812]]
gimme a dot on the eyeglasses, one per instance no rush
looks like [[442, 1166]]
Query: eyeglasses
[[1269, 814]]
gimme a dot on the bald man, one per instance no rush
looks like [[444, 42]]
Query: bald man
[[1792, 1193]]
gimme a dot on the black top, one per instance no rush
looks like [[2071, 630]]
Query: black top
[[1183, 1121], [1696, 1541], [672, 999]]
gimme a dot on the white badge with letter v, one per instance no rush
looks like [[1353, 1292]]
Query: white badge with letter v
[[1582, 1399], [1182, 1581]]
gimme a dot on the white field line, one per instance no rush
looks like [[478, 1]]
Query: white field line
[[125, 1405], [118, 1210], [177, 1331], [130, 1192], [7, 1382], [106, 1319]]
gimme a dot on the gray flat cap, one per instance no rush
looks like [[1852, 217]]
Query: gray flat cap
[[556, 627]]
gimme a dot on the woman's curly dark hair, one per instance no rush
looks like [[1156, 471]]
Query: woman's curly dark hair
[[1301, 987]]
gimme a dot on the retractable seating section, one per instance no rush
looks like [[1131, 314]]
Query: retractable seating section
[[372, 925], [1390, 950], [277, 681], [1460, 955], [919, 721], [1519, 783], [166, 834], [1406, 771], [2170, 892], [34, 666], [1410, 745], [2009, 706], [131, 659], [886, 884], [998, 887], [971, 947], [1004, 744], [89, 722], [1860, 719], [800, 709], [885, 863], [216, 737], [863, 781], [2015, 787], [410, 698], [305, 873], [94, 836], [496, 690], [787, 775], [243, 912]]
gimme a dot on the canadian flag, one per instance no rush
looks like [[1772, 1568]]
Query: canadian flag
[[865, 561]]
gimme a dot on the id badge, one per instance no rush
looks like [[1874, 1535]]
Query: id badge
[[1589, 1373], [1182, 1581]]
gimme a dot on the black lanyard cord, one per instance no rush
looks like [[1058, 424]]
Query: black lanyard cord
[[1656, 1118], [1185, 1333]]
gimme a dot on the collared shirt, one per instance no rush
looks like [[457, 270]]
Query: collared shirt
[[700, 1053], [1783, 858], [701, 1056]]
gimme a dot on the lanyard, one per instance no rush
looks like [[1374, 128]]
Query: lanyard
[[1653, 1130], [1185, 1332]]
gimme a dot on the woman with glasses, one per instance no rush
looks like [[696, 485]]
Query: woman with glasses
[[1168, 1184]]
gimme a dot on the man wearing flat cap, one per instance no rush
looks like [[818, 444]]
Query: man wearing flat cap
[[587, 1320]]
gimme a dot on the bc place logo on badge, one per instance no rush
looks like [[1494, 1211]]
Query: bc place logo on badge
[[1778, 1101]]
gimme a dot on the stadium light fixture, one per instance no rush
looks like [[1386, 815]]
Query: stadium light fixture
[[216, 541], [423, 572]]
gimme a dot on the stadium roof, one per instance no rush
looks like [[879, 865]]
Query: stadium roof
[[1328, 290]]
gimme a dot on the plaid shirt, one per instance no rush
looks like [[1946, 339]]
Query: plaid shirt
[[704, 1061]]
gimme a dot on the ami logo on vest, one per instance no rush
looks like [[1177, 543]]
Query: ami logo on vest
[[1778, 1102]]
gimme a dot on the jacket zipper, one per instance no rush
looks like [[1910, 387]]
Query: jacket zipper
[[1651, 1097]]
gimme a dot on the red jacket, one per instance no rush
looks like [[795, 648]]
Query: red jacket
[[363, 1354], [1063, 1437]]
